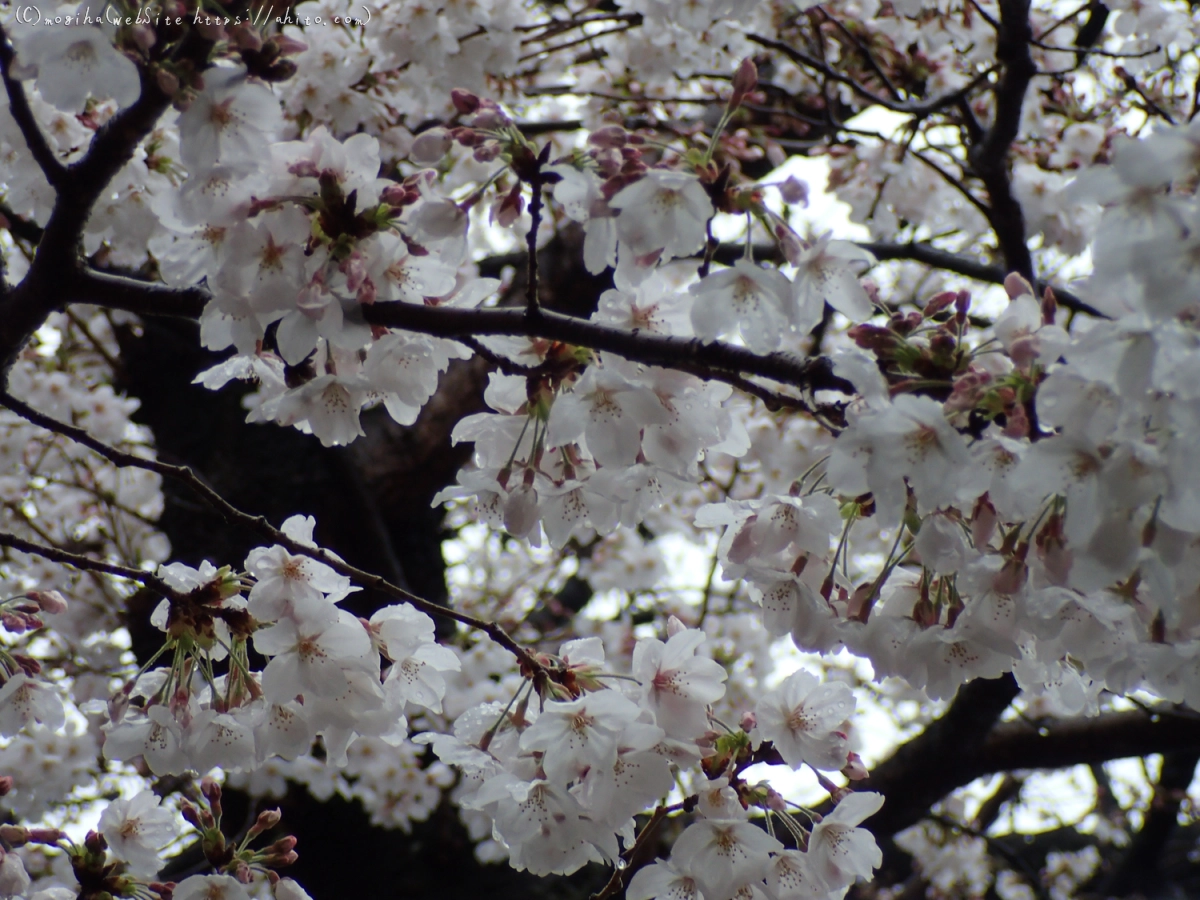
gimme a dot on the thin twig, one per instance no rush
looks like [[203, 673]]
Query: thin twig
[[87, 564], [260, 524]]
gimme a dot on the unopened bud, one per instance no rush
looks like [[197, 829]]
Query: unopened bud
[[1016, 286], [94, 842], [610, 137], [464, 101], [282, 846], [211, 789], [939, 302], [429, 147], [872, 337], [794, 191], [674, 627], [267, 819], [745, 80], [962, 303], [6, 785], [49, 601], [487, 151], [748, 721], [854, 768], [14, 835], [164, 889], [1049, 307]]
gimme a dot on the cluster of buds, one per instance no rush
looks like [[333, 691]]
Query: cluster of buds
[[238, 860]]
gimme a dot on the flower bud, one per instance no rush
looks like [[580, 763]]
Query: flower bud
[[854, 768], [794, 191], [6, 785], [15, 835], [267, 819], [745, 80], [610, 137], [748, 721], [1049, 307], [211, 790], [939, 302], [521, 511], [1016, 286], [164, 889], [674, 627], [429, 147], [464, 101]]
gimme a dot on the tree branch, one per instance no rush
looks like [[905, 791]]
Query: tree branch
[[941, 757], [257, 523], [87, 564], [715, 360], [18, 104], [971, 268], [1139, 868], [989, 159]]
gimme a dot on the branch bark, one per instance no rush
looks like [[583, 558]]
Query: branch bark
[[989, 159]]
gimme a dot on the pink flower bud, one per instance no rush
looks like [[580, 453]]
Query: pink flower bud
[[6, 785], [430, 146], [854, 768], [464, 101], [610, 137], [794, 191], [486, 152], [1049, 307], [748, 721], [745, 79], [1016, 286], [50, 601], [939, 302], [674, 627], [489, 118]]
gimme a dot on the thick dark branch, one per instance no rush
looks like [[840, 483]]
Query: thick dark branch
[[58, 260], [1020, 745], [22, 114], [939, 759], [145, 298], [989, 159], [719, 361], [1139, 868]]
